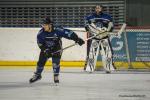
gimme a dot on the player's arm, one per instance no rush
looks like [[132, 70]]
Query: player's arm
[[88, 20], [42, 46], [69, 34], [110, 27], [40, 41], [110, 24]]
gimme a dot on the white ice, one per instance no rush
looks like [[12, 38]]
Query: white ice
[[75, 84]]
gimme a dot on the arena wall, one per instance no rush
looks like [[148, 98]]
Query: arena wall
[[18, 47]]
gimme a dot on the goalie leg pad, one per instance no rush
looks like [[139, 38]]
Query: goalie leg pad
[[93, 54], [106, 53]]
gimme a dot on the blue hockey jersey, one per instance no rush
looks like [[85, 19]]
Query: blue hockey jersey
[[100, 20], [52, 40]]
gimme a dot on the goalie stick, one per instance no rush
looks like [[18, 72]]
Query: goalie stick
[[118, 34]]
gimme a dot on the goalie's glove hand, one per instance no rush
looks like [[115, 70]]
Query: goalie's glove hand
[[103, 29], [80, 41]]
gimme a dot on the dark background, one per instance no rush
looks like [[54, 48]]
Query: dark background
[[136, 12]]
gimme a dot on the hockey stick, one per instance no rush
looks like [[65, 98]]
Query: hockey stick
[[110, 33], [121, 30], [77, 43], [79, 30], [118, 34]]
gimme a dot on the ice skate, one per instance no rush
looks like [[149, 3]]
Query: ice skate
[[35, 78]]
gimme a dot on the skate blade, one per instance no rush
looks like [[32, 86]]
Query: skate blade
[[30, 82], [54, 84]]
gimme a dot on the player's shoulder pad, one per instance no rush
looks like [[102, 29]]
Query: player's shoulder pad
[[40, 34], [41, 31], [58, 28], [89, 16], [108, 16]]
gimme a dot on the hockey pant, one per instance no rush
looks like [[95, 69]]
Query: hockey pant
[[42, 61], [104, 48]]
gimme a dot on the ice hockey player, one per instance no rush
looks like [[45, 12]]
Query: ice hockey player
[[49, 41], [102, 22]]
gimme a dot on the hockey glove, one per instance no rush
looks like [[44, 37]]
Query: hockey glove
[[80, 41], [47, 52], [77, 39]]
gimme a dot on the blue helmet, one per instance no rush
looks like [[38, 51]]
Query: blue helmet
[[47, 20]]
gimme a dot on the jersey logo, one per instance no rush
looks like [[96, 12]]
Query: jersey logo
[[52, 37], [104, 21], [55, 35]]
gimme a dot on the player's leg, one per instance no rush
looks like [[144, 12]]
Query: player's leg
[[40, 66], [56, 68], [88, 50], [106, 53], [112, 67], [103, 55], [93, 54]]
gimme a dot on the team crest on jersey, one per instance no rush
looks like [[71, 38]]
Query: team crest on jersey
[[55, 35], [105, 21], [99, 24]]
